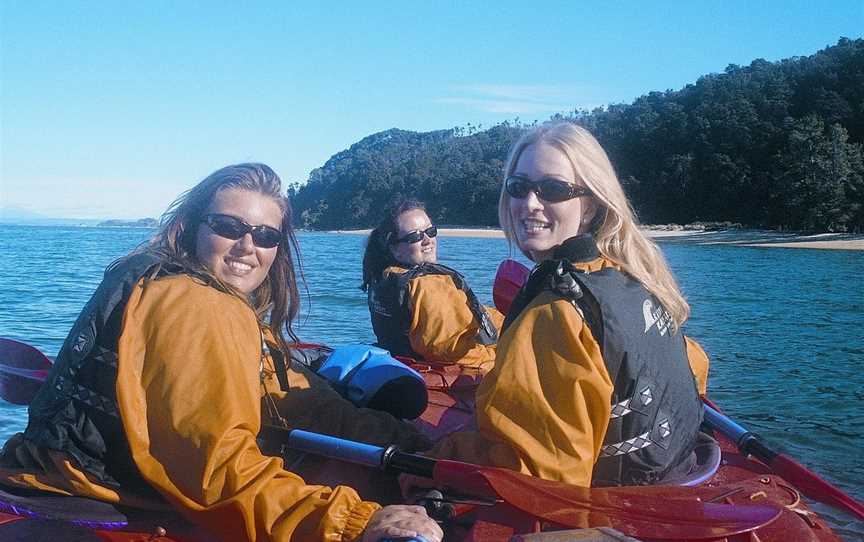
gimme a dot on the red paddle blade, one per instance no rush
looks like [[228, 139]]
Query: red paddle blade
[[668, 513], [509, 278], [22, 371], [813, 486]]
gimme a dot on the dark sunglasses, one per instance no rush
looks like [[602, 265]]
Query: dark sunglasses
[[231, 227], [547, 188], [417, 236]]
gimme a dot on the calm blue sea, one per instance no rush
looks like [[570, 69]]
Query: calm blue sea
[[784, 327]]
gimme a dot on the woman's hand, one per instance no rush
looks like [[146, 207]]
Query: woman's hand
[[402, 521]]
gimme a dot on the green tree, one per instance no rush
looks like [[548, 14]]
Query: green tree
[[819, 170]]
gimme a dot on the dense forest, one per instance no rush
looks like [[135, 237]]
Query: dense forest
[[772, 144]]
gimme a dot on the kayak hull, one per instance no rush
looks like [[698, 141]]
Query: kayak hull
[[740, 481], [21, 527]]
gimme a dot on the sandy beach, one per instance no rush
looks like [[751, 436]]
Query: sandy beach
[[738, 237]]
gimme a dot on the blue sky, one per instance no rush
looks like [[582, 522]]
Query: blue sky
[[111, 109]]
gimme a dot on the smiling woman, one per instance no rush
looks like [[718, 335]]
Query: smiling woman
[[418, 307], [593, 383], [237, 253], [160, 391]]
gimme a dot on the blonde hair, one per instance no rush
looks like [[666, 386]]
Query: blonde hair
[[614, 226]]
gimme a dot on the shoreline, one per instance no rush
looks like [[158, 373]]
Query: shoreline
[[736, 237]]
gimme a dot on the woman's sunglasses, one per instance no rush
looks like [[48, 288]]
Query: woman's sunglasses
[[231, 227], [547, 188], [417, 236]]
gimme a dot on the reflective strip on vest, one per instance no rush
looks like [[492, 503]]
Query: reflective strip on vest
[[628, 446]]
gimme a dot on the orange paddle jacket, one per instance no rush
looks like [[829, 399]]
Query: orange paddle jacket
[[190, 382], [442, 327], [544, 408]]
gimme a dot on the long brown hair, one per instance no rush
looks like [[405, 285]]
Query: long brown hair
[[615, 227], [377, 256], [176, 239]]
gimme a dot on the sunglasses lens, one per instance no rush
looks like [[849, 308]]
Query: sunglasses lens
[[226, 226], [417, 236], [413, 237], [266, 237], [554, 190], [233, 228], [518, 187], [551, 190]]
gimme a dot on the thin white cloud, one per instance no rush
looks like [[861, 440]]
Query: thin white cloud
[[520, 99], [490, 105], [519, 92]]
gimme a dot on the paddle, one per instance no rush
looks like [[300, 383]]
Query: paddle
[[793, 472], [668, 512], [790, 470], [642, 512], [22, 370], [509, 278]]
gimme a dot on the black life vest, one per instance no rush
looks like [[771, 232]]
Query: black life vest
[[390, 311], [656, 410], [76, 410]]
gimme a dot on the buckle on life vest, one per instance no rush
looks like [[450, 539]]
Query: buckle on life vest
[[564, 283]]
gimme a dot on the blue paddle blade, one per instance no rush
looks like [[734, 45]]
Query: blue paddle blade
[[22, 371]]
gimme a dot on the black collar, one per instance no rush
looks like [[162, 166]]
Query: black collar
[[580, 248]]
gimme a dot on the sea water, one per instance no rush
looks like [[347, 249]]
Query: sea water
[[784, 327]]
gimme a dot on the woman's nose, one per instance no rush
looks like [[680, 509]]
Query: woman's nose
[[532, 201], [245, 244]]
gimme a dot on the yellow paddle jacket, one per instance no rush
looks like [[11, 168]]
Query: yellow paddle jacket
[[190, 383], [544, 408]]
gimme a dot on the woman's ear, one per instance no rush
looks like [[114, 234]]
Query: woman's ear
[[589, 211], [391, 248], [384, 240]]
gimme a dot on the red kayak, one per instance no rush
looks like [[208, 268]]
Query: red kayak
[[739, 499], [740, 480]]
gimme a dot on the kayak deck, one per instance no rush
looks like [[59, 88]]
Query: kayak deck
[[740, 480]]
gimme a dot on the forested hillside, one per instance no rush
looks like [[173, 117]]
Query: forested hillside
[[774, 145]]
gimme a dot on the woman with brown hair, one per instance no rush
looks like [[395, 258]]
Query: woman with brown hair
[[420, 308], [160, 391]]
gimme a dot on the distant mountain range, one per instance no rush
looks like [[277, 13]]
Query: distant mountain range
[[140, 223], [26, 218], [16, 215]]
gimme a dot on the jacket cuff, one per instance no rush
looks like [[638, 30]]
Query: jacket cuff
[[357, 520]]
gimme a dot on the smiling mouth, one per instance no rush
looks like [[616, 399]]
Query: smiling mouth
[[534, 226], [238, 268]]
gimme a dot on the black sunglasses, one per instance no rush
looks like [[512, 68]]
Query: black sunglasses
[[547, 188], [231, 227], [417, 236]]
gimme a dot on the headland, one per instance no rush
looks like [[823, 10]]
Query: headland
[[684, 235]]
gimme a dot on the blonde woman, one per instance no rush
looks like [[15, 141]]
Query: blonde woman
[[592, 383]]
